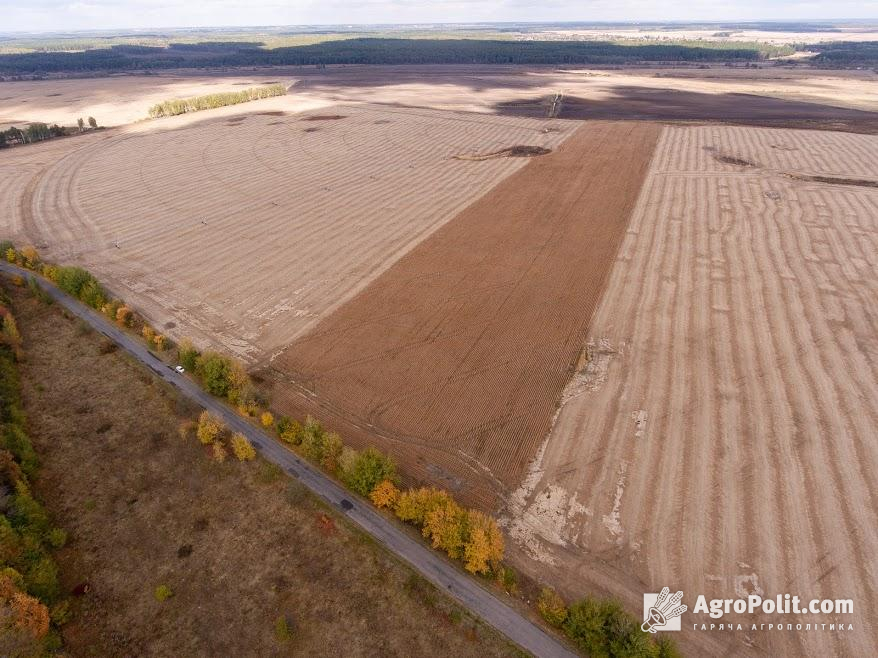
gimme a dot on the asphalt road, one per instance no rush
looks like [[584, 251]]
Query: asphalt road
[[431, 564]]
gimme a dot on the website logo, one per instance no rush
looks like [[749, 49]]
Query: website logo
[[661, 612]]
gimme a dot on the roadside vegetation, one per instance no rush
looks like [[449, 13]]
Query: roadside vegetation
[[596, 626], [32, 605], [211, 101], [601, 627], [197, 544]]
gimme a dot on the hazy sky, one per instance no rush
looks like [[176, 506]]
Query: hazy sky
[[43, 15]]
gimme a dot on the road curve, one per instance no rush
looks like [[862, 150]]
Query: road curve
[[431, 564]]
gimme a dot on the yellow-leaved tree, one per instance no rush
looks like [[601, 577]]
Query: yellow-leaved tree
[[385, 494], [483, 550], [209, 427], [242, 448]]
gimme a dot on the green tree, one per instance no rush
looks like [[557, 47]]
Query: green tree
[[214, 370], [368, 469]]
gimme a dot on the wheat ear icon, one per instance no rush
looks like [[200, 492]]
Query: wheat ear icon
[[663, 610]]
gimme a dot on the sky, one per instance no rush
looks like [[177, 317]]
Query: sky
[[68, 15]]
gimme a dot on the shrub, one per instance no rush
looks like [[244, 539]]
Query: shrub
[[57, 538], [267, 419], [312, 439], [219, 452], [148, 333], [242, 448], [41, 578], [552, 607], [290, 431], [368, 469], [188, 354], [209, 427], [163, 593], [603, 628], [282, 631], [124, 316], [30, 256], [11, 256], [332, 448], [385, 494], [30, 615], [160, 342]]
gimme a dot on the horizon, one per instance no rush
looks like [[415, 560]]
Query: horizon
[[62, 17]]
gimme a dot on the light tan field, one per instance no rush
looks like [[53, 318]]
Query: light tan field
[[243, 230], [856, 34], [113, 100], [722, 437]]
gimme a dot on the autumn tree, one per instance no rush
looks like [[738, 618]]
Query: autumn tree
[[30, 256], [414, 505], [124, 316], [160, 341], [209, 427], [148, 333], [11, 256], [483, 548], [385, 494], [446, 526], [267, 419], [289, 431], [332, 447], [30, 615], [242, 448]]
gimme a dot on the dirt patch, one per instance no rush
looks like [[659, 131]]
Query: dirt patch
[[457, 354], [144, 507], [833, 180], [732, 160], [325, 117], [518, 151], [312, 130], [273, 113]]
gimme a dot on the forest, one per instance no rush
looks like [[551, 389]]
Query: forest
[[370, 51]]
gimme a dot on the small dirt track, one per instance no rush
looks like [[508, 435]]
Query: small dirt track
[[463, 346]]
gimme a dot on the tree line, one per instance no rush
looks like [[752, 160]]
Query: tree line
[[173, 107], [378, 51]]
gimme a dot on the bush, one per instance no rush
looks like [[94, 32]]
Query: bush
[[209, 427], [124, 316], [368, 469], [551, 607], [267, 419], [188, 354], [148, 333], [214, 371], [290, 431], [242, 448], [385, 494], [163, 593], [219, 452], [57, 538], [282, 631]]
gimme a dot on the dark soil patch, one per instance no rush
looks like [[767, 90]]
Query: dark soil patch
[[517, 151], [325, 117], [833, 180]]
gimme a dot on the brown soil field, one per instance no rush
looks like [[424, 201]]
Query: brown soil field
[[239, 544], [242, 230], [721, 439], [454, 357]]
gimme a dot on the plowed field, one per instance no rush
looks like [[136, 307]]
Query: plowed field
[[460, 350], [722, 440]]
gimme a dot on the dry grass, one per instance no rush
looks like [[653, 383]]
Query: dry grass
[[240, 545]]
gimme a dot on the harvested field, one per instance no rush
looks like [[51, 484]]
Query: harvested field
[[722, 437], [246, 236], [454, 358]]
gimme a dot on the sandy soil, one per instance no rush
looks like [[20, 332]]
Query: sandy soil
[[490, 89], [113, 100], [463, 346], [721, 439], [247, 226]]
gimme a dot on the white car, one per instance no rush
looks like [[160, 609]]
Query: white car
[[180, 369]]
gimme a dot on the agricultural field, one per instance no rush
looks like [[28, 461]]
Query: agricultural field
[[721, 435], [631, 310]]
